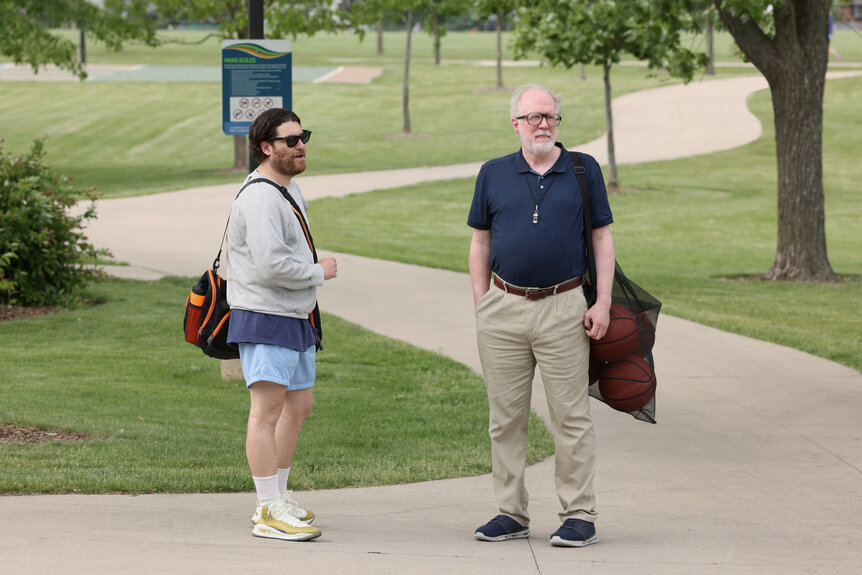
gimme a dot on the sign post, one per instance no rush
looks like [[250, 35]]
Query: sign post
[[256, 76]]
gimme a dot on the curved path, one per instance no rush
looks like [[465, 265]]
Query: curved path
[[755, 465]]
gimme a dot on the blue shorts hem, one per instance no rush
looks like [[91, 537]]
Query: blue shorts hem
[[290, 386], [265, 362]]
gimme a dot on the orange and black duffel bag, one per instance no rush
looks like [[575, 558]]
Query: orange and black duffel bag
[[207, 316]]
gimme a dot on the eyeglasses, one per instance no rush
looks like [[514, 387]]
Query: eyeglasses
[[535, 118], [291, 141]]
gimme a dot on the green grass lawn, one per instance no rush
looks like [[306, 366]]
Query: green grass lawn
[[135, 138], [160, 419]]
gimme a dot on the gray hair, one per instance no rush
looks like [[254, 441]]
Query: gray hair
[[515, 103]]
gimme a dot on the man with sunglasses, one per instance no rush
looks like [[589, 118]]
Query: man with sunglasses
[[526, 267], [272, 288]]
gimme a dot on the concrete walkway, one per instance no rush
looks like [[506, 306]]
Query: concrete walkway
[[755, 465]]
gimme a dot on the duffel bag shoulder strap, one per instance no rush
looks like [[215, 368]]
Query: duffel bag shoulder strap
[[302, 221], [581, 173], [224, 235]]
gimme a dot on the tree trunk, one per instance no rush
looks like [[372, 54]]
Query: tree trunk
[[583, 72], [710, 66], [380, 36], [240, 153], [500, 50], [794, 63], [797, 103], [406, 90], [436, 39], [83, 54], [609, 123]]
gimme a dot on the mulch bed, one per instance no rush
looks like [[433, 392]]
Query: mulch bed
[[13, 312], [32, 435]]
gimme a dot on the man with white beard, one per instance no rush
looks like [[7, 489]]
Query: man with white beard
[[528, 237]]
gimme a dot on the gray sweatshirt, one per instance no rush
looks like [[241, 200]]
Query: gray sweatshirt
[[270, 268]]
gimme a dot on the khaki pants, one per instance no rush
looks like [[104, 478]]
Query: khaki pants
[[514, 335]]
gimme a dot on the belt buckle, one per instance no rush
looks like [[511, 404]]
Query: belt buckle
[[535, 293]]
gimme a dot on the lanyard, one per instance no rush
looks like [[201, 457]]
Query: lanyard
[[533, 195]]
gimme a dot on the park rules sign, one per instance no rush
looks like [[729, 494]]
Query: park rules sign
[[256, 76]]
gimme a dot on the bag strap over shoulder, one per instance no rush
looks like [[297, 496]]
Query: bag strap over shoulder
[[302, 221], [224, 235], [581, 173]]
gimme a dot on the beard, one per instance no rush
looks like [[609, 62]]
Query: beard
[[289, 164], [539, 148]]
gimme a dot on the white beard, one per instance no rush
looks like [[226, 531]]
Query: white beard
[[540, 149]]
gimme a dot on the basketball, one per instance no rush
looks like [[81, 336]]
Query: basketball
[[621, 338], [646, 332], [628, 384]]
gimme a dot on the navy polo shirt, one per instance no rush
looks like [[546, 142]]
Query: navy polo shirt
[[552, 250]]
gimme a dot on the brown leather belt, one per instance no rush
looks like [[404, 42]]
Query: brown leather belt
[[538, 293]]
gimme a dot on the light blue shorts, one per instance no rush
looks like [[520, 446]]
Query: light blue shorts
[[264, 362]]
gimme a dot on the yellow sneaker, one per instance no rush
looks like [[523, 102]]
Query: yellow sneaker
[[277, 522], [303, 515]]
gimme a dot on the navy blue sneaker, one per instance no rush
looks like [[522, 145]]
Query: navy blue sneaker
[[574, 533], [502, 528]]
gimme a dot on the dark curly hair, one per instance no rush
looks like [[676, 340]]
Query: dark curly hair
[[265, 127]]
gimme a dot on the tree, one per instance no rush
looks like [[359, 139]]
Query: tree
[[789, 45], [438, 12], [371, 11], [709, 29], [405, 90], [499, 9], [306, 17], [601, 32], [26, 29]]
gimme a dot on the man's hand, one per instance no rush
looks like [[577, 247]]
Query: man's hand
[[330, 267], [597, 319]]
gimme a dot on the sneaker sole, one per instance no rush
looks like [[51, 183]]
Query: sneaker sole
[[505, 537], [270, 533], [306, 521], [560, 542]]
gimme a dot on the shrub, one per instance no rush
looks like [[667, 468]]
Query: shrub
[[44, 253]]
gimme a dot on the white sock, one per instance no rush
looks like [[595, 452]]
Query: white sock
[[267, 488], [283, 475]]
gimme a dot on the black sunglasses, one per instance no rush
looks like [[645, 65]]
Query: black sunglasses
[[291, 141]]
